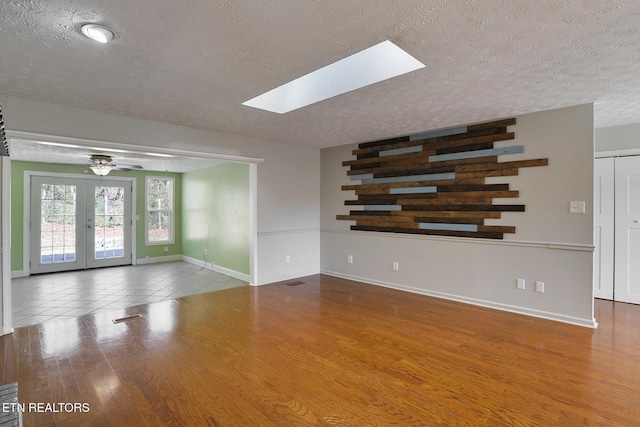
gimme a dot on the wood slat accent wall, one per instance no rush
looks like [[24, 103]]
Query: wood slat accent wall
[[435, 184]]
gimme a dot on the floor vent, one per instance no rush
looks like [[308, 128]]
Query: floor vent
[[296, 283], [10, 415], [128, 318]]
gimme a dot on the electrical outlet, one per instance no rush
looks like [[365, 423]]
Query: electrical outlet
[[205, 252], [395, 266], [521, 284], [287, 259], [350, 259], [166, 249], [539, 286], [577, 207]]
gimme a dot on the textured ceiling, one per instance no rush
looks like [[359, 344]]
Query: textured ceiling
[[193, 62]]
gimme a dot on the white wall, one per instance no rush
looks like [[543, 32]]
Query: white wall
[[288, 201], [617, 138], [550, 245], [5, 256]]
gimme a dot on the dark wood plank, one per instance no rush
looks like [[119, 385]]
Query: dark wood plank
[[382, 218], [503, 165], [501, 135], [370, 213], [465, 194], [504, 122], [472, 187], [468, 207], [448, 220], [487, 173], [374, 160], [385, 196], [469, 136], [498, 228], [376, 187], [426, 217], [367, 155], [455, 201], [386, 172], [383, 142], [378, 201], [464, 148], [389, 222], [472, 161], [479, 235], [365, 168]]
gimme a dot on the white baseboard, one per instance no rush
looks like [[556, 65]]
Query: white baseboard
[[217, 268], [157, 259], [6, 331], [473, 301], [17, 273]]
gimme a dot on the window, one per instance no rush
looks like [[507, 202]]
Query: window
[[159, 210]]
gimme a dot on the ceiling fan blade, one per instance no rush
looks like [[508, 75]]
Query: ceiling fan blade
[[127, 167]]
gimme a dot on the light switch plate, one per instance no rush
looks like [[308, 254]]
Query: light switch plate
[[577, 207]]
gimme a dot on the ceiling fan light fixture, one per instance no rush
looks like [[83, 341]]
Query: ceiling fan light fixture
[[98, 33], [101, 169]]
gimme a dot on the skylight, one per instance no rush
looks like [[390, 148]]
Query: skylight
[[375, 64]]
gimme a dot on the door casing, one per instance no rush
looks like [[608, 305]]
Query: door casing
[[26, 269]]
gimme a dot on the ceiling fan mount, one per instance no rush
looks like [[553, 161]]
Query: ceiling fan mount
[[101, 159], [102, 164]]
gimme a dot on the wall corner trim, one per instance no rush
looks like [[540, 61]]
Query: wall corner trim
[[158, 259], [292, 231], [218, 269]]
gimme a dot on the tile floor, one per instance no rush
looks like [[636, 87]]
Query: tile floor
[[39, 298]]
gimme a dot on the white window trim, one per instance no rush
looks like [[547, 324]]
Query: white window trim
[[172, 225]]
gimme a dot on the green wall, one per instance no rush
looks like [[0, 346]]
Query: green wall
[[142, 251], [216, 215]]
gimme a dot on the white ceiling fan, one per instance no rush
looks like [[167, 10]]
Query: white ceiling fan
[[102, 164]]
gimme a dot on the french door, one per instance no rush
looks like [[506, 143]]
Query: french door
[[79, 223]]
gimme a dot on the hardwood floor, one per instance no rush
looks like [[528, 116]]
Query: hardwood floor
[[328, 352]]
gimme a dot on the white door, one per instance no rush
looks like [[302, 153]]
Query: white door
[[603, 235], [108, 223], [57, 224], [627, 233], [79, 223]]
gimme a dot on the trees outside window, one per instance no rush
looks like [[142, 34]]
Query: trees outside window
[[159, 210]]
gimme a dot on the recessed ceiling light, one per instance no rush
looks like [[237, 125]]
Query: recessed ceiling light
[[375, 64], [98, 33]]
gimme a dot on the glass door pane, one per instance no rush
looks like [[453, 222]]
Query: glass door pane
[[58, 223], [109, 222], [57, 206], [109, 214]]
